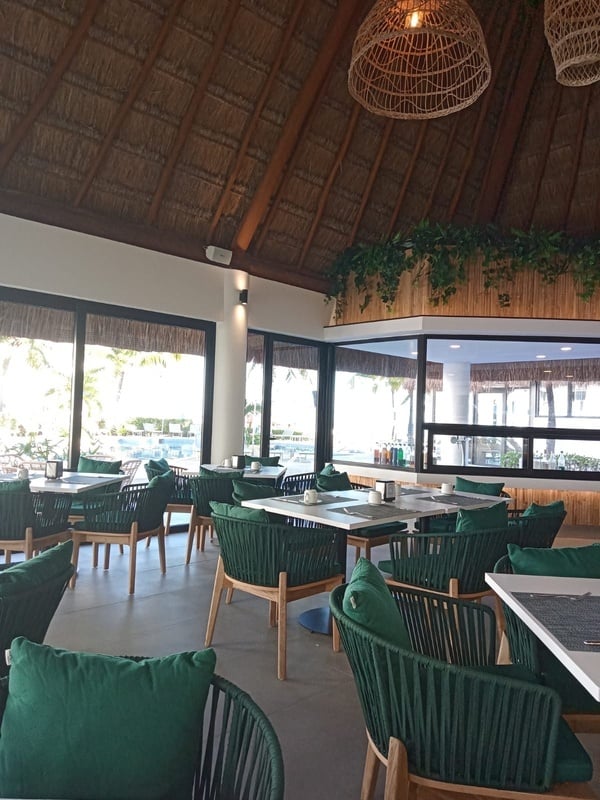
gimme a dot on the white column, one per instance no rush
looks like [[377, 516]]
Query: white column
[[457, 382], [230, 370]]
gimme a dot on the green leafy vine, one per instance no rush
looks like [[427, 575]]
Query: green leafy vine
[[440, 253]]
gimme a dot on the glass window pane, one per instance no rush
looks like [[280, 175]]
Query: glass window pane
[[375, 402], [254, 393], [138, 402]]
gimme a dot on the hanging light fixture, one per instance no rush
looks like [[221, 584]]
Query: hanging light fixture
[[419, 59], [572, 29]]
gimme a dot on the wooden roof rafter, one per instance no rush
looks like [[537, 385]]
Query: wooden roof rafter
[[450, 137], [345, 15], [21, 129], [547, 144], [583, 121], [511, 121], [485, 101], [407, 176], [125, 107], [324, 196], [253, 121], [385, 138], [188, 118]]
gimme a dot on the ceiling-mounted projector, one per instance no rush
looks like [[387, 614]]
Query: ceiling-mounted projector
[[219, 254]]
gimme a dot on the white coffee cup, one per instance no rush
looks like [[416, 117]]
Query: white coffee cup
[[310, 496], [226, 462], [374, 497], [255, 466], [447, 488]]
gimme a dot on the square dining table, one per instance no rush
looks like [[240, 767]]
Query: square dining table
[[74, 482], [270, 474], [348, 510], [564, 613]]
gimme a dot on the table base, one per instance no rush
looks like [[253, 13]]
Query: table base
[[316, 620]]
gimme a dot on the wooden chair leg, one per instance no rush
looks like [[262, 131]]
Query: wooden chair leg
[[356, 554], [95, 547], [28, 544], [132, 561], [162, 556], [368, 550], [229, 596], [106, 556], [396, 778], [74, 561], [190, 544], [214, 602], [272, 613], [167, 524], [335, 636], [370, 773], [282, 627], [7, 556]]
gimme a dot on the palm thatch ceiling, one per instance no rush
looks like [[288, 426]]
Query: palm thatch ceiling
[[177, 124]]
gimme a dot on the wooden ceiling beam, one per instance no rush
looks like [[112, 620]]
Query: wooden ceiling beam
[[583, 121], [512, 120], [22, 127], [333, 172], [148, 237], [373, 172], [550, 122], [345, 14], [407, 176], [253, 122], [124, 108], [192, 109], [485, 101]]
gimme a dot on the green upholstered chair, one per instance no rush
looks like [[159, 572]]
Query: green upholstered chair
[[265, 461], [203, 489], [296, 484], [239, 755], [449, 563], [538, 530], [465, 727], [279, 563], [30, 592], [580, 709], [180, 499], [366, 538], [122, 518], [251, 490], [30, 522]]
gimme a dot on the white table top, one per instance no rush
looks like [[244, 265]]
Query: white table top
[[410, 506], [584, 665], [264, 474], [74, 482]]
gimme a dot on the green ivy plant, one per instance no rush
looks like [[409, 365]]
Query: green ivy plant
[[440, 254]]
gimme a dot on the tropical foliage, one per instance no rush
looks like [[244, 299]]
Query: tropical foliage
[[440, 254]]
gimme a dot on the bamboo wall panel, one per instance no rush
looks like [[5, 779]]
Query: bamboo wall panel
[[530, 298]]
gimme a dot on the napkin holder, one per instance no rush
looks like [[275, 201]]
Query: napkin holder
[[387, 489], [238, 462], [54, 470]]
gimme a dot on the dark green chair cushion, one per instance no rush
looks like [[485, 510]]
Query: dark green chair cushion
[[478, 519], [15, 486], [85, 726], [368, 602], [465, 485], [159, 465], [161, 488], [549, 510], [86, 464], [240, 512], [265, 461], [247, 490], [567, 562], [25, 575], [329, 469], [572, 761], [338, 481]]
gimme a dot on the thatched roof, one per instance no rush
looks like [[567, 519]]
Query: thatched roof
[[177, 124]]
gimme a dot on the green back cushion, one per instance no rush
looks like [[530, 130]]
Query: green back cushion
[[161, 487], [86, 464], [368, 602], [549, 510], [15, 486], [330, 483], [240, 512], [329, 469], [464, 485], [246, 490], [266, 461], [478, 519], [156, 467], [81, 725], [25, 575], [567, 562]]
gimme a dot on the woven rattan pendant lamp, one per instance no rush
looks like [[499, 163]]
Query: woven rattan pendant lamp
[[419, 59], [572, 29]]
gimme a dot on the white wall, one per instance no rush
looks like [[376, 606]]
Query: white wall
[[47, 259]]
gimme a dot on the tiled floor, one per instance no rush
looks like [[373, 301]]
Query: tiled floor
[[315, 712]]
